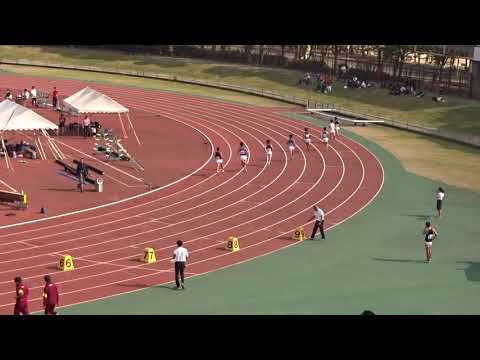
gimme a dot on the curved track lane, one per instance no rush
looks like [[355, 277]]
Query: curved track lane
[[261, 207]]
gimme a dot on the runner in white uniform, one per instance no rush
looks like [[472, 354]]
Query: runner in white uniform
[[269, 152], [325, 137], [337, 127], [307, 138], [291, 145], [219, 160], [332, 128], [243, 156]]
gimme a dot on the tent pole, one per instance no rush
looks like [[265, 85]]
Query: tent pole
[[5, 151], [125, 136], [134, 132], [51, 147], [11, 188], [40, 147], [36, 144]]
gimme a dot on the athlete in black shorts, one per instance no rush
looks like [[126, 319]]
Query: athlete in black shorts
[[430, 235]]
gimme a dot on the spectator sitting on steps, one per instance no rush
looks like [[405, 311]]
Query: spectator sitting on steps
[[439, 99]]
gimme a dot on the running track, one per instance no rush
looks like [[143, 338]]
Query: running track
[[261, 207]]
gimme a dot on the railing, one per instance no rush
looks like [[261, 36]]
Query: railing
[[472, 140]]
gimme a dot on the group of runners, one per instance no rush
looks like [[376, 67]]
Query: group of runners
[[331, 132]]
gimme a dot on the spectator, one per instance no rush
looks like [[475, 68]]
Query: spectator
[[55, 97], [86, 126], [8, 95], [26, 94], [50, 296], [438, 99], [33, 92], [21, 303], [61, 124]]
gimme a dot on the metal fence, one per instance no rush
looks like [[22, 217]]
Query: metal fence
[[472, 140]]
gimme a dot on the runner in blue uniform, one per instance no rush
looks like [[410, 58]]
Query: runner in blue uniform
[[243, 155]]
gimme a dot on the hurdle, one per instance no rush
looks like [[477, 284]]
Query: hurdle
[[20, 200]]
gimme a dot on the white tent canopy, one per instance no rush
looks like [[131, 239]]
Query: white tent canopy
[[15, 117], [89, 100]]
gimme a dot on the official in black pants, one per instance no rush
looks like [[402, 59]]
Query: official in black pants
[[82, 173], [180, 256], [319, 217]]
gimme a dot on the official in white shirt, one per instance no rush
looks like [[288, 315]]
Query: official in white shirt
[[319, 217], [180, 256]]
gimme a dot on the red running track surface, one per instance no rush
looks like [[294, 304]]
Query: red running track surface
[[261, 207]]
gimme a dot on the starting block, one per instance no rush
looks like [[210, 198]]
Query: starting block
[[232, 244], [299, 234], [149, 256], [65, 263]]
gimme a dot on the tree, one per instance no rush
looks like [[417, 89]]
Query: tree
[[379, 49], [261, 53], [397, 54], [336, 51], [248, 53]]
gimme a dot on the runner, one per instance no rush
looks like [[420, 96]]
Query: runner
[[243, 156], [325, 137], [332, 129], [430, 235], [219, 160], [269, 152], [307, 138], [337, 127], [440, 196], [291, 145]]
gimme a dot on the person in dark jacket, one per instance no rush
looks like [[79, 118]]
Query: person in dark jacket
[[82, 173]]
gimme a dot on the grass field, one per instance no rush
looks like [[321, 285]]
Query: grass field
[[435, 159], [457, 115], [374, 261], [163, 85]]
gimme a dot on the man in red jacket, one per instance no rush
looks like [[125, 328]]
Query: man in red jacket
[[50, 296], [55, 97], [21, 303]]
